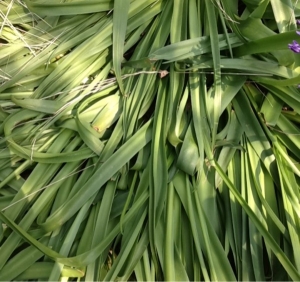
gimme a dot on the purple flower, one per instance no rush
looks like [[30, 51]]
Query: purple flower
[[298, 32], [295, 47], [298, 22]]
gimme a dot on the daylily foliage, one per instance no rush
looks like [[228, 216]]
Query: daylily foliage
[[149, 140]]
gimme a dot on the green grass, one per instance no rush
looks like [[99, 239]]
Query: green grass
[[149, 140]]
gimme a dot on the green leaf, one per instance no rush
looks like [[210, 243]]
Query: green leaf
[[120, 15], [58, 8]]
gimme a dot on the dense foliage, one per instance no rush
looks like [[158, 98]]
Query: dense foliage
[[149, 140]]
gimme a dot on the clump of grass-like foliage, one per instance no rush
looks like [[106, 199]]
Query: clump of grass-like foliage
[[149, 140]]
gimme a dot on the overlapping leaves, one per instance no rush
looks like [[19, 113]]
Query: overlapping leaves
[[112, 170]]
